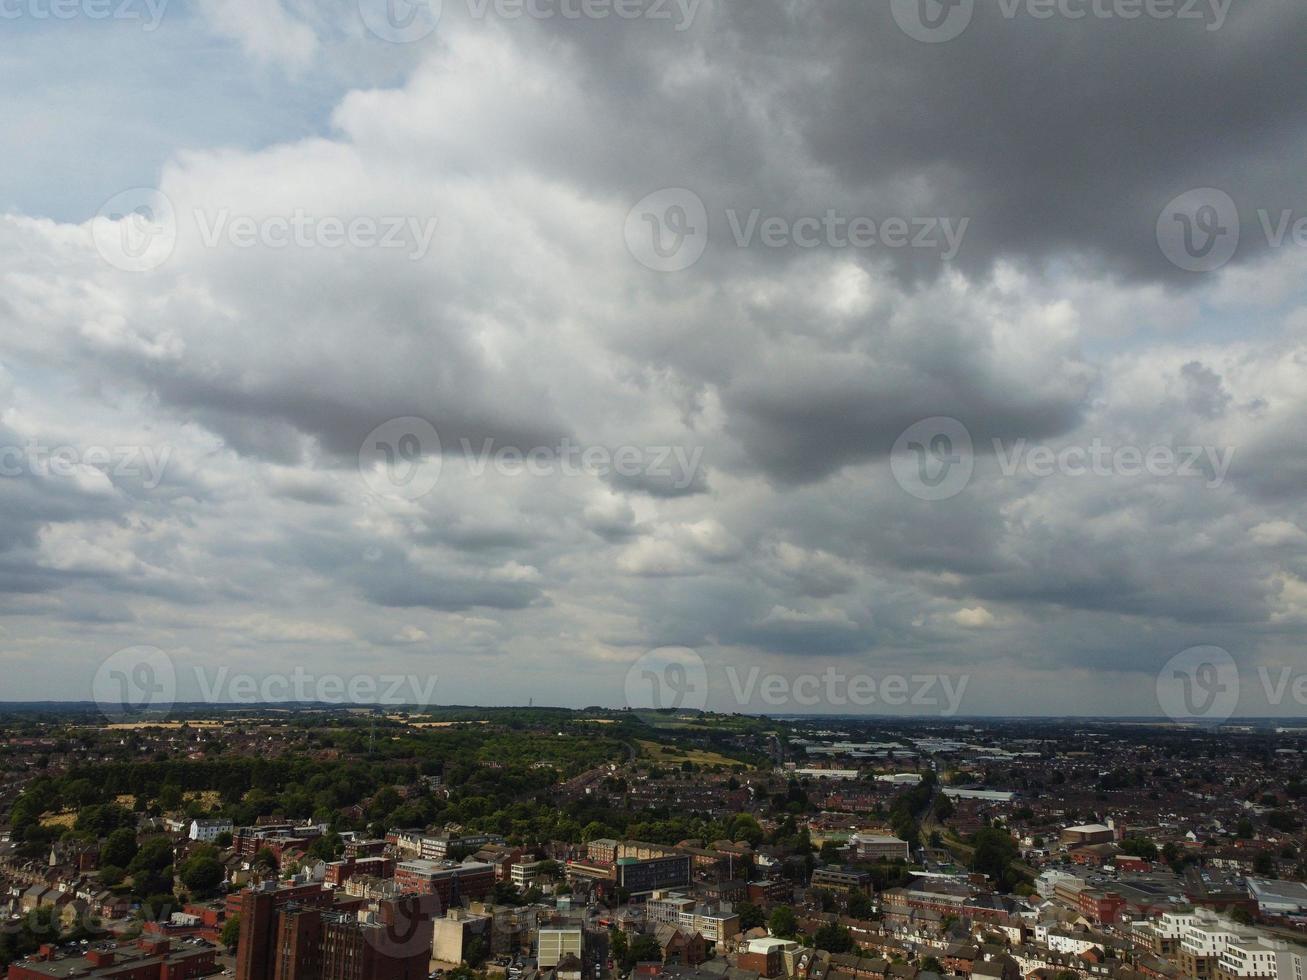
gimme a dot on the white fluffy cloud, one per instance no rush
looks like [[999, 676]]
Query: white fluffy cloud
[[756, 396]]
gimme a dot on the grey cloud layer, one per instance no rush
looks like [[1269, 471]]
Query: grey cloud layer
[[795, 370]]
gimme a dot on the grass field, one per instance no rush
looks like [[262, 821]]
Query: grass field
[[131, 725], [673, 755], [447, 724]]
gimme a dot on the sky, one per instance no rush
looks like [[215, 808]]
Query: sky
[[766, 355]]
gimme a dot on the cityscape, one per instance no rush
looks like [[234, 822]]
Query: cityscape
[[552, 844]]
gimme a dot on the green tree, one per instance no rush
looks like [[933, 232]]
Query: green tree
[[995, 850], [644, 949], [170, 796], [153, 855], [751, 916], [833, 938], [1140, 847], [202, 874], [617, 945], [120, 847], [102, 819], [944, 808], [832, 852], [824, 897], [860, 905], [327, 847], [782, 923], [231, 932]]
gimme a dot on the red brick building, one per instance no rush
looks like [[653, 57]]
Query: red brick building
[[260, 910], [318, 944], [451, 882], [339, 872], [147, 959], [1100, 907]]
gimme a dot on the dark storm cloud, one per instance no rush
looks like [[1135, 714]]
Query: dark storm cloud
[[1059, 135], [803, 434]]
